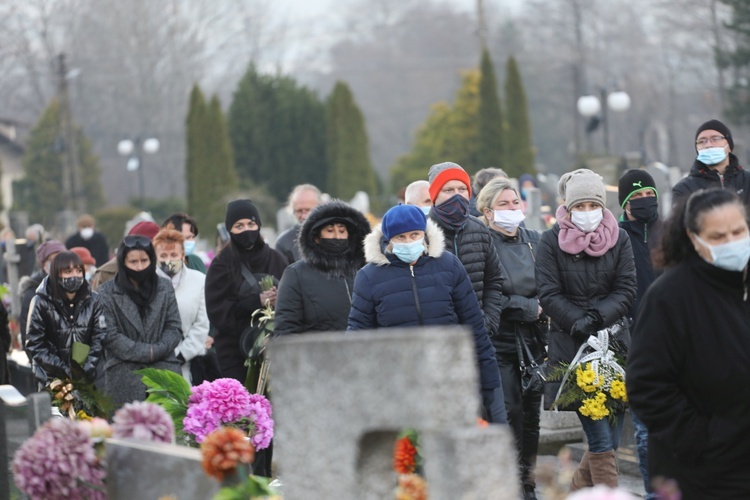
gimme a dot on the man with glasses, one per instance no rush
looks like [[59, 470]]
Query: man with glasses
[[715, 166]]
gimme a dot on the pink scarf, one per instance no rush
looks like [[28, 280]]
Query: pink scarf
[[596, 243]]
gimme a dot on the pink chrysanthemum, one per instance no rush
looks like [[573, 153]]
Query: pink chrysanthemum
[[260, 416], [50, 464], [143, 421]]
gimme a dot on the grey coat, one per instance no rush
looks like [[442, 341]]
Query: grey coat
[[133, 342]]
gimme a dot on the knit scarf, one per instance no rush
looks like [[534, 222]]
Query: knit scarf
[[596, 243]]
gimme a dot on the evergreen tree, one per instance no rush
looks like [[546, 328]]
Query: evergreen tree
[[347, 146], [210, 170], [39, 193], [448, 134], [519, 150], [277, 132], [492, 143], [738, 59]]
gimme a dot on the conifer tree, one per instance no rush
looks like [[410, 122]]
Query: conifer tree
[[347, 146], [519, 150], [39, 192], [492, 143]]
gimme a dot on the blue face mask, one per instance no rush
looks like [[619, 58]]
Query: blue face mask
[[712, 156], [732, 256], [189, 246], [426, 210], [409, 252]]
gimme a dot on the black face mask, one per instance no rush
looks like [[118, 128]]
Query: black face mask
[[245, 239], [139, 276], [645, 209], [334, 246], [71, 284], [453, 212]]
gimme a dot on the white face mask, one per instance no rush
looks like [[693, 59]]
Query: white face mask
[[587, 221], [732, 256], [508, 220], [87, 233]]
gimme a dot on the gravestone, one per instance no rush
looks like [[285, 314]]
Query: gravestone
[[341, 398]]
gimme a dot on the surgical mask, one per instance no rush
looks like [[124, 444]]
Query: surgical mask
[[426, 210], [644, 209], [189, 246], [334, 245], [246, 239], [524, 193], [70, 284], [711, 156], [409, 252], [508, 220], [87, 233], [171, 267], [587, 221], [732, 256]]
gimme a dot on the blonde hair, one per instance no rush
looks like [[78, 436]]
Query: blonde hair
[[489, 193]]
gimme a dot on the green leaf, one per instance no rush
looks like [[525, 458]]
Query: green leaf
[[166, 382]]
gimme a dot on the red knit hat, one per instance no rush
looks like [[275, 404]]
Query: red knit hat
[[145, 228], [443, 172]]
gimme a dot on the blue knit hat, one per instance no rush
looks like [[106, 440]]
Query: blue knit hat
[[402, 219]]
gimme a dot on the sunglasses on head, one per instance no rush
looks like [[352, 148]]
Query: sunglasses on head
[[136, 241]]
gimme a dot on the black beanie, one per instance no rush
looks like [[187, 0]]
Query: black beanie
[[241, 209], [720, 128], [632, 182]]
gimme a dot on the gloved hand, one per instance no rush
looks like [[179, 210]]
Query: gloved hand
[[587, 325], [493, 406]]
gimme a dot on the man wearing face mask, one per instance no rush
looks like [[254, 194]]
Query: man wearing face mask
[[89, 238], [715, 165], [418, 194], [638, 198], [469, 240]]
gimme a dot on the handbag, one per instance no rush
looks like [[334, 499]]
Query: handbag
[[533, 375]]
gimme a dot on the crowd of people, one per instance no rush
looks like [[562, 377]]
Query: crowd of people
[[457, 252]]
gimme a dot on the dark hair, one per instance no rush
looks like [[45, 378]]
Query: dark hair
[[62, 262], [178, 219], [676, 245]]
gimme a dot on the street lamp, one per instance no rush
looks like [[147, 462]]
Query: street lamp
[[133, 149], [590, 106]]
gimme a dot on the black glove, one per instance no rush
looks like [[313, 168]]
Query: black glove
[[493, 406], [587, 325]]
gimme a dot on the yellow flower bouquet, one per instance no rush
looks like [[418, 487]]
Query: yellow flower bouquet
[[594, 382]]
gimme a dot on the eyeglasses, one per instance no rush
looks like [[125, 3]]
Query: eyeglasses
[[136, 241], [716, 139]]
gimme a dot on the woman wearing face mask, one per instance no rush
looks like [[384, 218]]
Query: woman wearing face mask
[[585, 275], [521, 318], [233, 291], [410, 280], [187, 226], [715, 165], [142, 318], [64, 311], [688, 367], [315, 292], [189, 286]]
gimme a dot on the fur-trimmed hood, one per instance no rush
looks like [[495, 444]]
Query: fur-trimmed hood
[[334, 265], [376, 248]]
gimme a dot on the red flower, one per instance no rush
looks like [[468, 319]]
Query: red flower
[[404, 456], [223, 450]]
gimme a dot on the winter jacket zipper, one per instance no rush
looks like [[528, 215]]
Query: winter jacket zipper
[[416, 296], [721, 180]]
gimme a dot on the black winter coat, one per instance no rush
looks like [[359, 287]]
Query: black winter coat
[[97, 245], [231, 301], [315, 292], [27, 289], [53, 326], [286, 244], [735, 179], [570, 285], [688, 379], [473, 246], [643, 238], [520, 302]]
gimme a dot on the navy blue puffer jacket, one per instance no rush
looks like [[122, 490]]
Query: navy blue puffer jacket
[[434, 291]]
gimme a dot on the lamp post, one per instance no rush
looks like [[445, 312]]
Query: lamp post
[[590, 106], [133, 149]]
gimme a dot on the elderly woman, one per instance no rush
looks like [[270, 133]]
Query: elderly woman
[[523, 328], [142, 321], [189, 286], [410, 280], [585, 275], [688, 368], [315, 293]]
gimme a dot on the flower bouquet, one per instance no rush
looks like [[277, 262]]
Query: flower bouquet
[[78, 399], [594, 382], [257, 363]]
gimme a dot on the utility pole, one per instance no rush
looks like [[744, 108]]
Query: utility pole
[[71, 178]]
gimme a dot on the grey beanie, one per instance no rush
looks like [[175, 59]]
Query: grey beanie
[[582, 185], [439, 167], [441, 173]]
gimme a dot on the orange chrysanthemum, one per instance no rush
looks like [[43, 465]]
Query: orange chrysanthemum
[[224, 449], [411, 487], [404, 456]]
